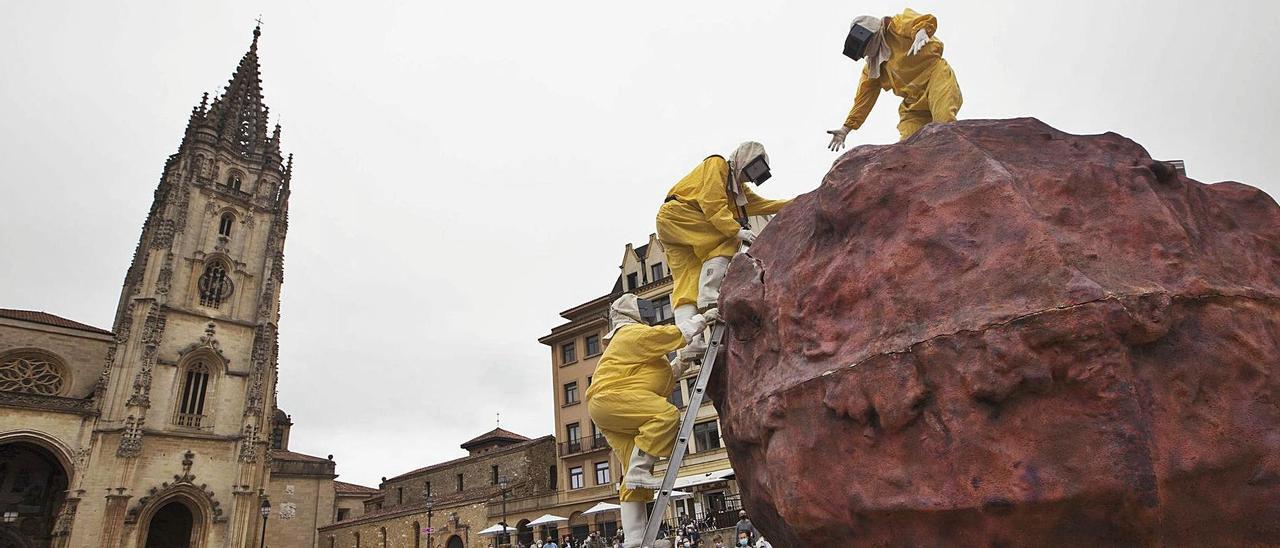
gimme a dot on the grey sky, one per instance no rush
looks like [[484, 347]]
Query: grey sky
[[463, 172]]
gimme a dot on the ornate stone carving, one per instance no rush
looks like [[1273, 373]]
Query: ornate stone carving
[[249, 444], [32, 373], [47, 403], [131, 437], [184, 481], [207, 342]]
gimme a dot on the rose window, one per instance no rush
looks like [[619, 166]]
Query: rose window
[[31, 373]]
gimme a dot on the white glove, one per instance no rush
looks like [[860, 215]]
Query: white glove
[[694, 350], [921, 39], [712, 315], [679, 367], [746, 235], [693, 327], [837, 137]]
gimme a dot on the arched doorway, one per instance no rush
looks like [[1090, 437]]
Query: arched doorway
[[33, 485], [455, 541], [524, 533], [170, 526]]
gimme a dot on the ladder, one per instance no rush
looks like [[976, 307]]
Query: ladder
[[682, 439]]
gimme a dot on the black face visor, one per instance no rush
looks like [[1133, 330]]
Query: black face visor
[[648, 312], [757, 170], [856, 44]]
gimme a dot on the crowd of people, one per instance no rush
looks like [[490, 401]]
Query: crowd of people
[[688, 534]]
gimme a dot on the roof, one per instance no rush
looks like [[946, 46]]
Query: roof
[[49, 319], [643, 252], [449, 463], [298, 457], [497, 434], [344, 488]]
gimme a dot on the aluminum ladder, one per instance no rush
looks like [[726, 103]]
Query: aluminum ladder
[[682, 440]]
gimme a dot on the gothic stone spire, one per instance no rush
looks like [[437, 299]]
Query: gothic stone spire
[[238, 116]]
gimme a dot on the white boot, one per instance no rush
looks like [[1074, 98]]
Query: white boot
[[640, 471], [684, 313], [709, 280], [635, 519]]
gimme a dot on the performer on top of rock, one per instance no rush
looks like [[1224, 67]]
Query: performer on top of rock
[[704, 219], [627, 400], [903, 56]]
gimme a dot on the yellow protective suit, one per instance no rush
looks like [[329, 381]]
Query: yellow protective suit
[[627, 398], [924, 81], [702, 223]]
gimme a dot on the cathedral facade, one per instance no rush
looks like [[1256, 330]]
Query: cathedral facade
[[159, 432]]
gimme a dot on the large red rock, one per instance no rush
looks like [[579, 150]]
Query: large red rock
[[999, 334]]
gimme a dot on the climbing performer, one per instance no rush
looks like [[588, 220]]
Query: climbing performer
[[703, 220], [627, 400], [903, 56]]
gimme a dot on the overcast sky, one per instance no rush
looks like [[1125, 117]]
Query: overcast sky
[[464, 172]]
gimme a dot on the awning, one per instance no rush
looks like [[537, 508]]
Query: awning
[[601, 507], [709, 477], [495, 529], [547, 518], [675, 495]]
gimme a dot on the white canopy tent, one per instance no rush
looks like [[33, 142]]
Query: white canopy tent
[[699, 479], [496, 529], [602, 507], [546, 519]]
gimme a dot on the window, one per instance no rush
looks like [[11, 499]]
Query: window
[[593, 345], [602, 473], [224, 224], [633, 281], [493, 474], [570, 392], [233, 180], [706, 435], [589, 381], [195, 385], [427, 488], [573, 433], [31, 372], [357, 539], [575, 477], [662, 307], [459, 483], [215, 285], [677, 398], [343, 513], [656, 271], [417, 534], [399, 495], [382, 533], [568, 353], [689, 385], [554, 477], [277, 437]]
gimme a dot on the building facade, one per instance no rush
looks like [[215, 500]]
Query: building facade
[[159, 432], [505, 476], [589, 471]]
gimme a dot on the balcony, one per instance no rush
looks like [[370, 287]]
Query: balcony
[[584, 445], [188, 420]]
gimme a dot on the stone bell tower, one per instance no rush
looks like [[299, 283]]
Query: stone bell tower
[[180, 451]]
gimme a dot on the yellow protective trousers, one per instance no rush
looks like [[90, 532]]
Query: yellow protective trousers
[[689, 240], [635, 418], [940, 102]]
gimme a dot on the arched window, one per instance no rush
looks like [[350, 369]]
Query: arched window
[[224, 224], [382, 533], [195, 386], [31, 372], [357, 539], [215, 285], [417, 535], [234, 179]]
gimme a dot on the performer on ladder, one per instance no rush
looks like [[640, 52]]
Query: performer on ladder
[[627, 400]]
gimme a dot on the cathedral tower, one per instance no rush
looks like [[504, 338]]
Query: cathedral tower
[[180, 448]]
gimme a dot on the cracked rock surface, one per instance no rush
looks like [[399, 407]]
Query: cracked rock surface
[[1000, 334]]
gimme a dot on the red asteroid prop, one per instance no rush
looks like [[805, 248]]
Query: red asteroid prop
[[996, 333]]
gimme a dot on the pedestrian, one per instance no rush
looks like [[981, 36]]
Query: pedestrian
[[719, 541], [594, 541], [745, 526]]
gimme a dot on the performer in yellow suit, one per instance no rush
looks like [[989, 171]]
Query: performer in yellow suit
[[704, 219], [902, 56], [627, 400]]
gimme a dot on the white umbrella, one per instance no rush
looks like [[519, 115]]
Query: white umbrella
[[495, 529], [548, 518], [602, 507], [675, 495]]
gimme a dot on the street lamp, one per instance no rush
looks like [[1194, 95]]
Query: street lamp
[[266, 511], [502, 485], [431, 504]]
